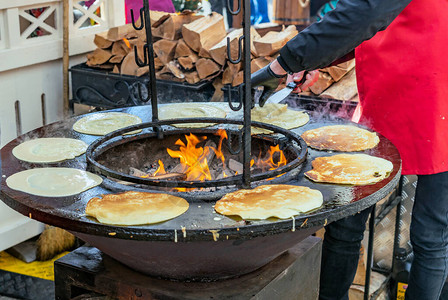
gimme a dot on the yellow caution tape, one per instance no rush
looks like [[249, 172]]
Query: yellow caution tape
[[39, 269]]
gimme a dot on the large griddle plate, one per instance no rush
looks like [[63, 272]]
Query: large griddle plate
[[200, 220]]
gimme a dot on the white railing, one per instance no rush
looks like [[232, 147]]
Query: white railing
[[31, 73], [31, 30]]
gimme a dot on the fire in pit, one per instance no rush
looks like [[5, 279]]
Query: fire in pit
[[196, 162], [195, 156]]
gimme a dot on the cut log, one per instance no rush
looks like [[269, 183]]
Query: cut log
[[274, 41], [230, 72], [116, 59], [182, 49], [158, 64], [186, 63], [204, 32], [322, 83], [339, 71], [125, 31], [258, 63], [116, 69], [174, 68], [219, 51], [344, 89], [101, 40], [165, 50], [171, 27], [128, 66], [218, 95], [192, 77], [98, 57], [206, 67], [235, 166], [238, 79], [121, 48], [142, 71]]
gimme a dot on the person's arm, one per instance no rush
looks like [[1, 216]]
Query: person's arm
[[340, 31]]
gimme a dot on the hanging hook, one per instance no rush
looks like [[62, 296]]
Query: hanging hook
[[145, 56], [239, 50], [141, 20], [228, 94], [240, 143], [232, 11]]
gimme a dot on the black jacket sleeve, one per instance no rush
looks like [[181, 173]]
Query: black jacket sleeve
[[338, 33]]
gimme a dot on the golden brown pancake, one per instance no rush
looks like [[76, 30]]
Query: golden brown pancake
[[104, 123], [340, 138], [276, 200], [357, 169], [136, 208], [279, 115], [53, 182], [47, 150]]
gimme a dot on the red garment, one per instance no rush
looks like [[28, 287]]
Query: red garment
[[402, 75], [159, 5]]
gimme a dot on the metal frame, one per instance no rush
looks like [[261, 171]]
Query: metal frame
[[107, 142], [245, 102]]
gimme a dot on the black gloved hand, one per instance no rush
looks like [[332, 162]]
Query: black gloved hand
[[266, 78]]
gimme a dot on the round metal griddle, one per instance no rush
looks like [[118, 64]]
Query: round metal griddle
[[200, 244]]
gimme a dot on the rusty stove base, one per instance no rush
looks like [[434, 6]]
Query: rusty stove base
[[293, 275]]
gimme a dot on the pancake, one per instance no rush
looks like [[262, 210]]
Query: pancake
[[190, 110], [53, 182], [277, 200], [47, 150], [340, 138], [136, 208], [357, 169], [279, 115], [104, 123]]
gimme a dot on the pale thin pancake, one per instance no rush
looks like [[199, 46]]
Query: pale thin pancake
[[136, 208], [357, 169], [276, 200], [53, 182], [279, 115], [47, 150], [190, 110], [104, 123], [340, 138]]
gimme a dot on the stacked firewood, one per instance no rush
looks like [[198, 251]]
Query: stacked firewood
[[336, 82], [193, 48], [187, 47]]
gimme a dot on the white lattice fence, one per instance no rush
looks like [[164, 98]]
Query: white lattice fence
[[31, 73]]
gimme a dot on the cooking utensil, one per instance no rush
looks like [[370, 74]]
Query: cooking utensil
[[283, 93]]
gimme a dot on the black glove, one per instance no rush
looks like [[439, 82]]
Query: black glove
[[266, 78]]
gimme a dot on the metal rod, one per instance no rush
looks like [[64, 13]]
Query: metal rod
[[152, 71], [44, 108], [398, 219], [18, 118], [370, 252], [65, 55], [247, 103]]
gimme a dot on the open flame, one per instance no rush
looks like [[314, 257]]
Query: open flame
[[194, 160]]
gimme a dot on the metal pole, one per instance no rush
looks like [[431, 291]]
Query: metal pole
[[370, 252], [65, 55], [247, 104], [151, 87]]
